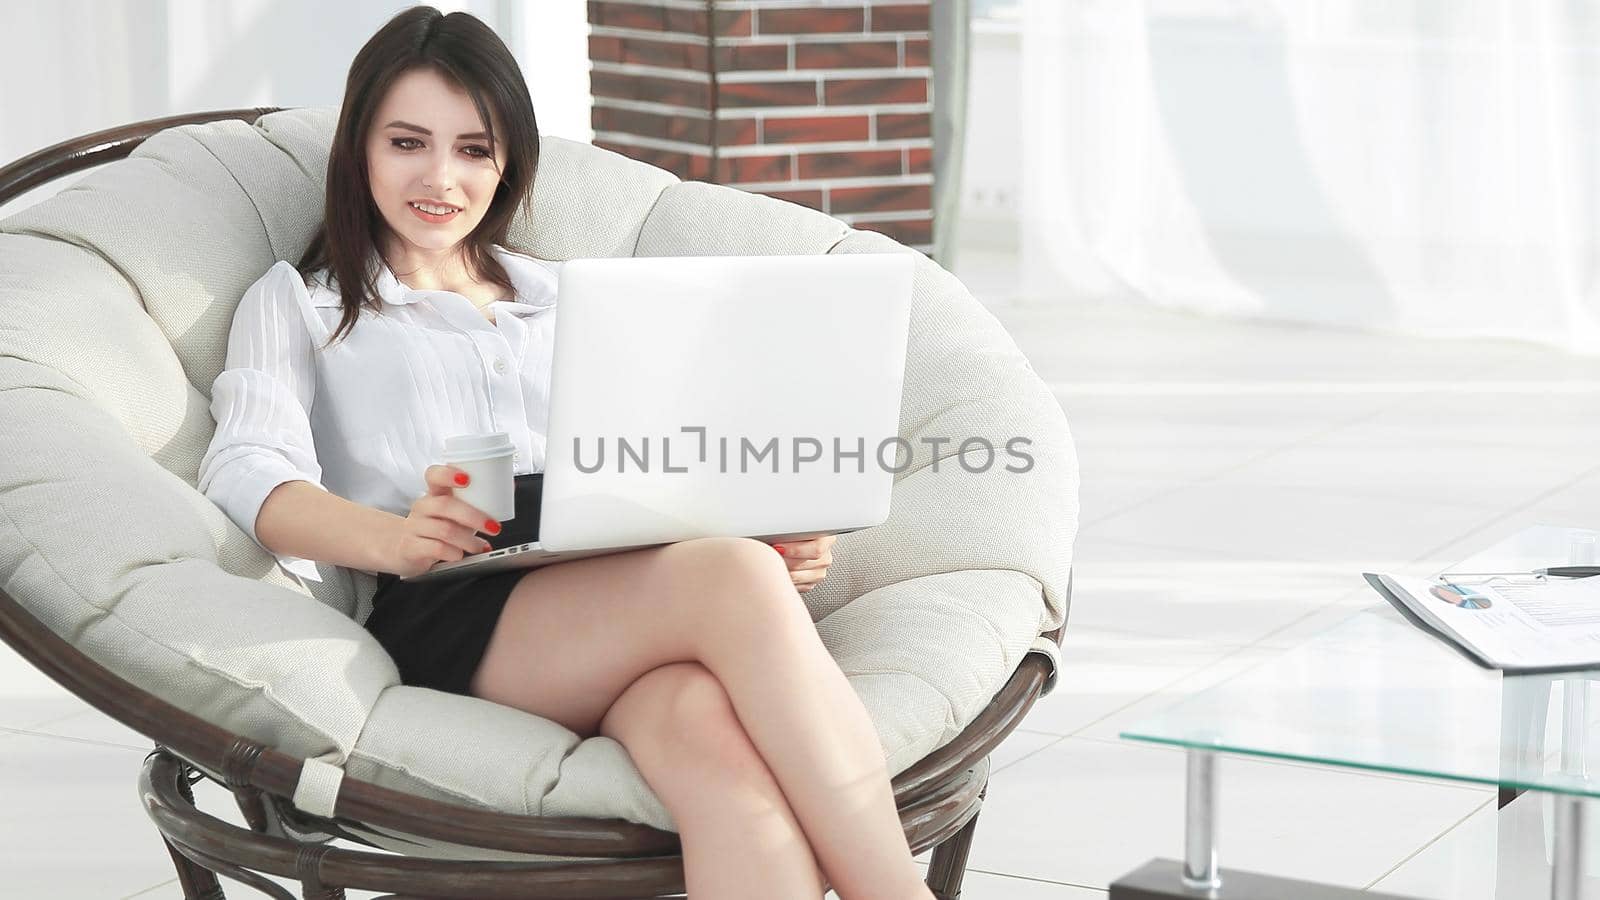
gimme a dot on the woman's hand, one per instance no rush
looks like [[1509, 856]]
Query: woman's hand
[[808, 560], [440, 528]]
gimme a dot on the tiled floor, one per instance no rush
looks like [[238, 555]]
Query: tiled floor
[[1236, 478]]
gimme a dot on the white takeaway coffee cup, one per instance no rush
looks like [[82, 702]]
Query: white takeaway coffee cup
[[488, 461]]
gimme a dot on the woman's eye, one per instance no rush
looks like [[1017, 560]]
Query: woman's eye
[[403, 143]]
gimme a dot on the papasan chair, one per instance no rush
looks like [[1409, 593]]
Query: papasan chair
[[123, 583]]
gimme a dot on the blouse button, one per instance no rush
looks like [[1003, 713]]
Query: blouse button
[[500, 366]]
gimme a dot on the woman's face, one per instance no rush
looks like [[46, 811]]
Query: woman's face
[[453, 166]]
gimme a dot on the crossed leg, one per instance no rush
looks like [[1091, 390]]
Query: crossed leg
[[575, 636], [734, 825]]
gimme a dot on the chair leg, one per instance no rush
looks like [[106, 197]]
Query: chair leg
[[198, 882], [948, 866], [252, 807]]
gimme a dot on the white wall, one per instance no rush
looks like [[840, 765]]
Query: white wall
[[72, 67], [992, 158]]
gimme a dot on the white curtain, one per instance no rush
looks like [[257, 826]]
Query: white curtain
[[1423, 166]]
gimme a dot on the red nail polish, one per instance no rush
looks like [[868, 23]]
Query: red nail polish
[[779, 548], [461, 478], [491, 526]]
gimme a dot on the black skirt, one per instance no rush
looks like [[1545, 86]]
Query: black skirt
[[438, 630]]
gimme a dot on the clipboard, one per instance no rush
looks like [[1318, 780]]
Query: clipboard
[[1395, 594]]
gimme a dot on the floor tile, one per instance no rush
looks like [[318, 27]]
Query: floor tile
[[1214, 599], [71, 823], [1086, 812], [1492, 855], [981, 885], [988, 886], [1325, 526], [28, 697], [1109, 494], [1103, 672], [1554, 420], [1175, 415], [31, 712], [1216, 672], [1131, 464], [1183, 438], [1318, 622], [1365, 460], [1094, 548], [1558, 511], [94, 725], [31, 702], [1019, 745]]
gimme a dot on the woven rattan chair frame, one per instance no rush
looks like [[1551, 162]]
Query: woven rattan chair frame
[[938, 798]]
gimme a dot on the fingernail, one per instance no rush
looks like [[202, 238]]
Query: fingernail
[[491, 526], [461, 478], [779, 548]]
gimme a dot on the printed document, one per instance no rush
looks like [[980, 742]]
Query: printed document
[[1507, 622]]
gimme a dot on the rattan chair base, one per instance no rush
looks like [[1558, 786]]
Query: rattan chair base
[[205, 846]]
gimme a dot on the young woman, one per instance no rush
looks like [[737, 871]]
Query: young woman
[[699, 657]]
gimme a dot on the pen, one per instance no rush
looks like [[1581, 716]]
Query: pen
[[1548, 572], [1569, 571]]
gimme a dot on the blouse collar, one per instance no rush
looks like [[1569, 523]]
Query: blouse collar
[[531, 289], [530, 277]]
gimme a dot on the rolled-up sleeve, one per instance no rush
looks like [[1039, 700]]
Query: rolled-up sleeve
[[261, 403]]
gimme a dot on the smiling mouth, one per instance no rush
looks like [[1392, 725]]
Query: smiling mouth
[[433, 218]]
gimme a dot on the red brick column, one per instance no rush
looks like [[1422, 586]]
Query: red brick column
[[828, 106]]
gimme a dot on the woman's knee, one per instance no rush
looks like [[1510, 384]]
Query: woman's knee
[[679, 714], [735, 578], [728, 561]]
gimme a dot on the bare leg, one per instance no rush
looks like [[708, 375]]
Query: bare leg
[[810, 726], [735, 826], [575, 635]]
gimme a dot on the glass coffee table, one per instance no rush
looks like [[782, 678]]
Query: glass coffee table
[[1375, 692]]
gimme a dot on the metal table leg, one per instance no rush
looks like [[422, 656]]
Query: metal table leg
[[1200, 823], [1198, 876], [1566, 871], [1566, 874], [1574, 726]]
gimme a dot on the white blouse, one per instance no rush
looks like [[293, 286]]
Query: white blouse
[[367, 416]]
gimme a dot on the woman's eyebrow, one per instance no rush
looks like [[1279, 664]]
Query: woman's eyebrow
[[399, 124]]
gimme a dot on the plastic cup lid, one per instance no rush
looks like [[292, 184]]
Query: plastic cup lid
[[471, 444]]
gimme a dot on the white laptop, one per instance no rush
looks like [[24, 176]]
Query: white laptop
[[754, 396]]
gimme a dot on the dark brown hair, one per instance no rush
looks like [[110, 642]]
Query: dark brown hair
[[468, 53]]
